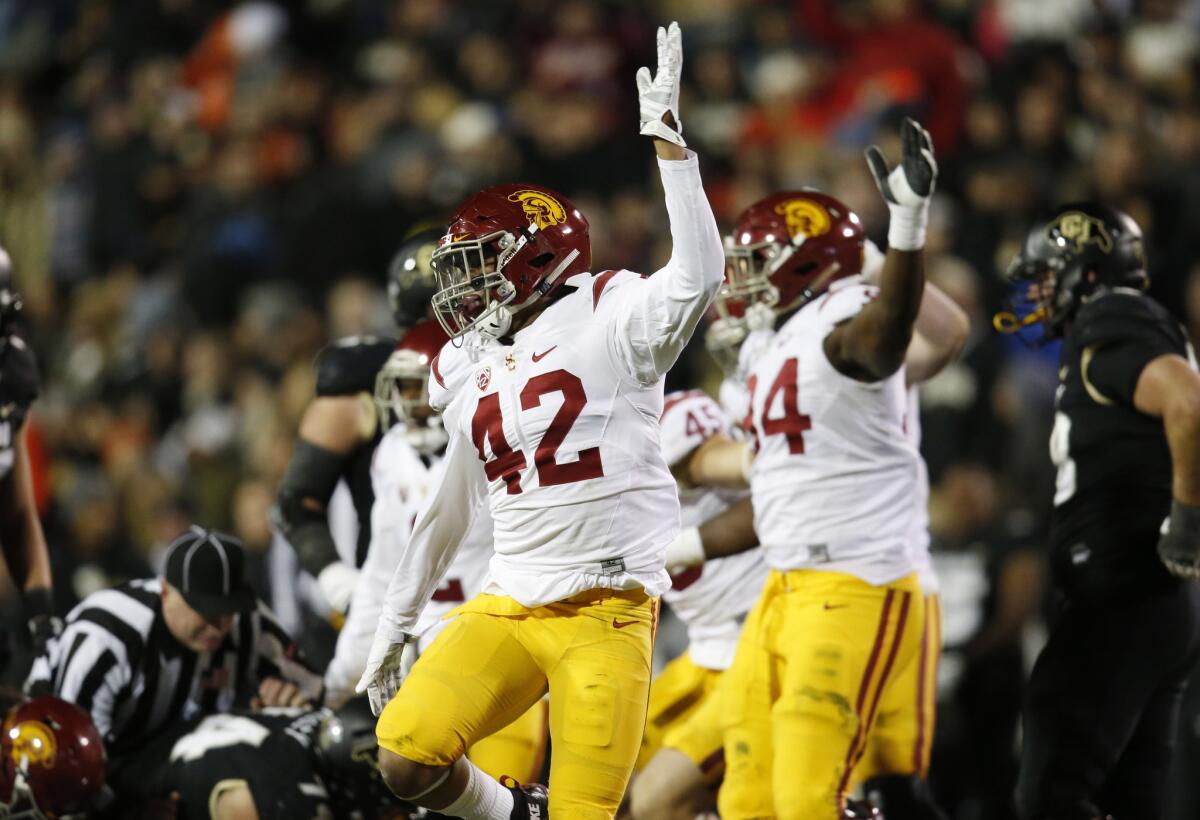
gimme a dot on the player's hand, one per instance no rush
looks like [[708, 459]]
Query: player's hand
[[337, 582], [44, 630], [685, 551], [387, 666], [908, 187], [658, 97], [1179, 543], [273, 692]]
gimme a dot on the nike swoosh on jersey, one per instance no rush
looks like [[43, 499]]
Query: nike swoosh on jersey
[[622, 624], [537, 357]]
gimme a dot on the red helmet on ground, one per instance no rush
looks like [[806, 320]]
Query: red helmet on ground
[[402, 387], [785, 250], [507, 248], [52, 760]]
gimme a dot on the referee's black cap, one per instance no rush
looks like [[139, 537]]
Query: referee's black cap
[[209, 568]]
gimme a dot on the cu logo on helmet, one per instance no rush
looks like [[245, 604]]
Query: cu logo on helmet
[[1082, 229], [541, 208], [804, 217]]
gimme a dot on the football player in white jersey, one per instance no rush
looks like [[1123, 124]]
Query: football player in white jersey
[[895, 764], [681, 749], [563, 414], [405, 467], [838, 490]]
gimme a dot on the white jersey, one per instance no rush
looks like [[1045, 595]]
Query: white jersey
[[711, 598], [922, 560], [450, 368], [836, 481], [402, 480], [735, 398], [565, 423]]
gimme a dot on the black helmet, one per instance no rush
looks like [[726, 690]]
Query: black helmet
[[1081, 239], [411, 284], [346, 755]]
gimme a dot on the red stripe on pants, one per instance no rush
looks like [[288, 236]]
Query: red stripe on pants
[[863, 689]]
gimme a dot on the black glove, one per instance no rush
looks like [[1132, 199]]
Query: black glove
[[1179, 544], [42, 630], [44, 625]]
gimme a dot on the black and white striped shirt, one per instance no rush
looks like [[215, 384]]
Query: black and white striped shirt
[[117, 660]]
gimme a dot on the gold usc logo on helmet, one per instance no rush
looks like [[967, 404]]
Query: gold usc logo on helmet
[[543, 209], [804, 217], [1081, 230], [32, 740]]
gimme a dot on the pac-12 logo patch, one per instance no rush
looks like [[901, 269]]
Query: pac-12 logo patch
[[804, 217], [483, 378], [543, 209]]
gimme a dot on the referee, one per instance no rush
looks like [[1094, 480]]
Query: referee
[[148, 657]]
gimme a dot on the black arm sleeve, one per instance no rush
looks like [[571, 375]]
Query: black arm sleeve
[[312, 475]]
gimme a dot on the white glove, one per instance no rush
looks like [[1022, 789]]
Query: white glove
[[388, 664], [685, 551], [337, 582], [760, 317], [908, 187], [660, 95]]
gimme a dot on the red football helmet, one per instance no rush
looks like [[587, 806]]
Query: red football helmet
[[507, 248], [53, 760], [784, 251], [402, 387]]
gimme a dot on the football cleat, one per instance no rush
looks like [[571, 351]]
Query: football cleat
[[530, 802]]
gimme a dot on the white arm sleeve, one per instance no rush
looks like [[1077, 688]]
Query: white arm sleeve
[[389, 536], [656, 318], [442, 525]]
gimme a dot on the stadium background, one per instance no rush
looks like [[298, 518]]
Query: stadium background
[[198, 194]]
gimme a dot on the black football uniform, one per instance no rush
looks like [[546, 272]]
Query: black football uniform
[[347, 368], [19, 386], [1104, 695], [270, 751]]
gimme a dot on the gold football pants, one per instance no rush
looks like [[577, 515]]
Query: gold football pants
[[817, 656], [497, 658]]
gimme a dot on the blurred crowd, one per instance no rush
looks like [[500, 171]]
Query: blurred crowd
[[198, 194]]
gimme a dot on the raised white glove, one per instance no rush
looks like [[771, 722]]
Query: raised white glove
[[337, 582], [659, 95], [908, 187], [685, 551], [388, 663]]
